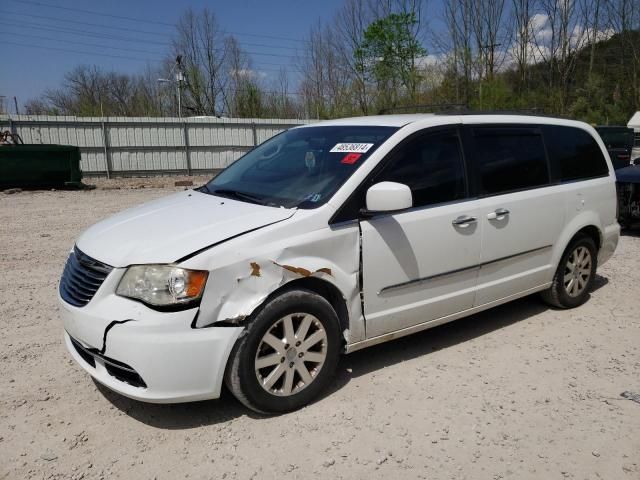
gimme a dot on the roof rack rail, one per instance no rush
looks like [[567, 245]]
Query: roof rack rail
[[533, 112], [431, 106], [463, 109]]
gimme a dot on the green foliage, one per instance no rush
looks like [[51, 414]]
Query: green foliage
[[604, 91], [387, 55], [494, 94], [598, 102], [248, 101]]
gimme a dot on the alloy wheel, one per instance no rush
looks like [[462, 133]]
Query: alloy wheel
[[291, 354], [577, 271]]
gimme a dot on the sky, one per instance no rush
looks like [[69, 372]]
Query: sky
[[43, 39]]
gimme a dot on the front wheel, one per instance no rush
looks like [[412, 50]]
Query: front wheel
[[575, 274], [287, 355]]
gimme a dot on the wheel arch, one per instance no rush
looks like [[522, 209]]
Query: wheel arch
[[323, 288], [588, 224], [593, 232]]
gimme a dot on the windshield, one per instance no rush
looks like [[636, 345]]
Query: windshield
[[302, 167]]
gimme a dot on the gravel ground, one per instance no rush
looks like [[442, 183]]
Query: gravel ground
[[520, 391]]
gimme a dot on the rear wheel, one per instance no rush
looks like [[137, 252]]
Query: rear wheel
[[287, 355], [575, 274]]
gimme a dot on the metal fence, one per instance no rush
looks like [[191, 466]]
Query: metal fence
[[129, 146]]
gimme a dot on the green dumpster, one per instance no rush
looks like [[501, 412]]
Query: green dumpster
[[39, 166]]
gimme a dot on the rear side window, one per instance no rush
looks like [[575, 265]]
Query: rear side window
[[575, 153], [509, 159]]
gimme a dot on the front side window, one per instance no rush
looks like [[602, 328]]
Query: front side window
[[302, 167], [509, 159], [575, 153], [431, 166]]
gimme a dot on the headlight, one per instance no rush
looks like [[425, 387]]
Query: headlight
[[162, 285]]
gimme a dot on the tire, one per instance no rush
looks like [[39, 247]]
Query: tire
[[301, 325], [573, 294]]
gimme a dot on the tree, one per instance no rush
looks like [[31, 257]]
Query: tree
[[243, 96], [350, 24], [489, 33], [388, 55], [204, 51], [557, 43], [280, 102], [458, 49], [325, 83], [89, 91], [522, 10], [623, 16]]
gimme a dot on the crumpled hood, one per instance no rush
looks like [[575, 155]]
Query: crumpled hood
[[170, 228]]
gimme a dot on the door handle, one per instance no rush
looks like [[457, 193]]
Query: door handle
[[498, 214], [464, 221]]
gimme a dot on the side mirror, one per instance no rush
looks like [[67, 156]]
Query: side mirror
[[388, 197]]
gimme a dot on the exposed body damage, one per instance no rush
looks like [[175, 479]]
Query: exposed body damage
[[243, 276]]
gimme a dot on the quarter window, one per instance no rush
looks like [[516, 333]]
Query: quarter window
[[510, 159], [575, 153], [431, 166]]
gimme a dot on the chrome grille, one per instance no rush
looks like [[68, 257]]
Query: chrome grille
[[81, 278]]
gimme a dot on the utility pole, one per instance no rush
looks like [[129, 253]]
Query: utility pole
[[15, 102], [179, 80]]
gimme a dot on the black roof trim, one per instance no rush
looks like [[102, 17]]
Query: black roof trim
[[463, 109]]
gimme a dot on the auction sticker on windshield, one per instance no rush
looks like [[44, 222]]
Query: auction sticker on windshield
[[351, 147]]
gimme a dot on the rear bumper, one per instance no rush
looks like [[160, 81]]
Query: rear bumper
[[610, 238], [155, 357]]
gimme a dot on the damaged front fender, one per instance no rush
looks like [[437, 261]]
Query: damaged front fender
[[235, 290]]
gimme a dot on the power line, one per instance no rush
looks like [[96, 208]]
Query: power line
[[90, 12], [126, 49], [77, 22], [135, 58], [73, 31], [125, 29], [124, 57], [142, 20], [81, 52]]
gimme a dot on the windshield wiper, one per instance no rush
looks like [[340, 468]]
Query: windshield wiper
[[204, 188], [239, 195]]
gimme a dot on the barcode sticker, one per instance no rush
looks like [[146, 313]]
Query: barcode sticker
[[351, 147]]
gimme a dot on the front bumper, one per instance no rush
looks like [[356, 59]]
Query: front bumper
[[174, 362]]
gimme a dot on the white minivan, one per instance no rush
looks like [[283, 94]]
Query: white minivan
[[332, 237]]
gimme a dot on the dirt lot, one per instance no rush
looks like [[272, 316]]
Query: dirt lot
[[519, 392]]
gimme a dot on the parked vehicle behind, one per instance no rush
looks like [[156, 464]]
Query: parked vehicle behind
[[332, 237], [628, 195], [634, 124], [619, 142]]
